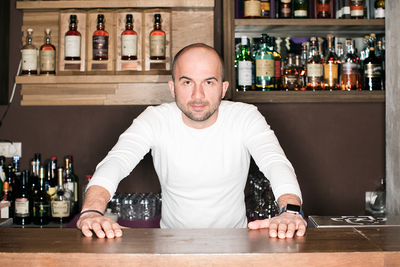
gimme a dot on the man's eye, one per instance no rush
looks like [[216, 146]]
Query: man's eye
[[209, 82], [186, 82]]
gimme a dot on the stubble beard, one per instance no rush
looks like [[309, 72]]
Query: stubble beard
[[192, 114]]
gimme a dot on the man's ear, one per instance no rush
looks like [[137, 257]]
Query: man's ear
[[172, 88], [225, 86]]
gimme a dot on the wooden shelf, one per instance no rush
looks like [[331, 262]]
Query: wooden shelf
[[305, 27], [256, 97], [53, 5]]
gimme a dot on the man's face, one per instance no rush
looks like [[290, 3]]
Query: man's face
[[198, 87]]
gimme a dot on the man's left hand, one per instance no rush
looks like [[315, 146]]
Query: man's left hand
[[282, 226]]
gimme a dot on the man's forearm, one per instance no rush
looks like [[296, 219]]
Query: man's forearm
[[96, 198], [285, 199]]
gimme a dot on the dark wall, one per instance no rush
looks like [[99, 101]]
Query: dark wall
[[338, 150]]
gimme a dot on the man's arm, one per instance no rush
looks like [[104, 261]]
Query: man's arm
[[96, 198], [286, 224]]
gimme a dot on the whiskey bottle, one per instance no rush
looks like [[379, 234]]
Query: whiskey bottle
[[129, 40], [41, 204], [346, 9], [72, 41], [61, 203], [51, 177], [157, 40], [302, 74], [379, 8], [372, 71], [47, 55], [100, 40], [252, 9], [331, 67], [244, 67], [357, 9], [285, 9], [265, 66], [300, 9], [278, 64], [23, 202], [265, 8], [314, 66], [349, 69], [29, 55], [290, 75], [323, 9]]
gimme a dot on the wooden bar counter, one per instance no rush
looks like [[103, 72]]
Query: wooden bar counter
[[373, 246]]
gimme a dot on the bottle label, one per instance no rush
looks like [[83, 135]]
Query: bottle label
[[244, 70], [356, 2], [100, 46], [314, 70], [277, 68], [71, 187], [265, 67], [47, 60], [129, 45], [357, 8], [265, 9], [372, 70], [75, 191], [300, 13], [285, 11], [252, 8], [41, 209], [346, 10], [29, 59], [72, 46], [290, 80], [331, 71], [157, 46], [22, 207], [52, 192], [60, 208], [379, 13], [349, 68]]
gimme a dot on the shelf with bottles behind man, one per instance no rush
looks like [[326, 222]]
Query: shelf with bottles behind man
[[47, 195]]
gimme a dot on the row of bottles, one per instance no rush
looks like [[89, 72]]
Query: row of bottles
[[100, 43], [265, 70], [40, 195], [321, 9]]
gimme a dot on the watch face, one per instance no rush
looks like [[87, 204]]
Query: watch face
[[293, 208]]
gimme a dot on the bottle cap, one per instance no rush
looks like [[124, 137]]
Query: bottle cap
[[128, 17], [29, 30], [47, 30], [244, 40], [100, 18], [372, 35], [88, 177]]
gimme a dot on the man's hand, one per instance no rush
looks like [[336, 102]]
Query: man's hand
[[102, 226], [282, 226]]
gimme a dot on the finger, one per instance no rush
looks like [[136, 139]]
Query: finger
[[117, 229], [108, 229], [96, 227], [86, 230], [258, 224], [302, 230], [273, 230], [282, 228], [290, 230]]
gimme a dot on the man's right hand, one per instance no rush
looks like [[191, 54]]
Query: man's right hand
[[102, 226]]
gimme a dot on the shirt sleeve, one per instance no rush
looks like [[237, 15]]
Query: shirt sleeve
[[266, 151]]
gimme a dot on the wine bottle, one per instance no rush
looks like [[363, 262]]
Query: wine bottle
[[100, 40], [244, 67], [300, 9], [379, 8], [157, 40], [71, 181], [23, 202], [72, 41], [41, 204], [278, 64], [372, 70], [129, 40]]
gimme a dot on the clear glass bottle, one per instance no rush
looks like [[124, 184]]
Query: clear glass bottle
[[379, 9], [100, 40], [323, 9], [72, 41], [157, 40], [47, 55], [244, 67], [372, 71], [357, 9], [41, 204], [129, 40], [349, 69], [23, 202], [331, 67], [300, 9], [61, 203], [302, 74], [265, 66], [29, 55], [252, 9], [314, 66], [290, 75], [304, 54]]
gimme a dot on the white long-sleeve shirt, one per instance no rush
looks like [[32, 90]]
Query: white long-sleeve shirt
[[202, 172]]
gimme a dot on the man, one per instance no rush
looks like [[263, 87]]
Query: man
[[201, 148]]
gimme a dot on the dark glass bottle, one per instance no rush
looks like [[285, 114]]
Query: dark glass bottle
[[157, 40], [278, 65], [129, 40], [357, 9], [323, 9], [72, 41], [285, 9], [245, 63], [61, 203], [72, 182], [300, 9], [372, 71], [7, 195], [100, 40], [41, 204], [23, 202]]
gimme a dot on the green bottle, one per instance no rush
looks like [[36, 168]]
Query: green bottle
[[265, 66], [41, 202], [245, 67]]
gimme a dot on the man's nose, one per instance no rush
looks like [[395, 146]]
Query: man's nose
[[198, 92]]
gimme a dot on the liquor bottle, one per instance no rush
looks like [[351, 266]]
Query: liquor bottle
[[349, 69], [372, 71], [300, 9], [304, 54], [7, 195], [61, 204], [13, 179], [357, 9], [41, 202], [278, 62], [47, 55], [51, 177], [37, 163], [331, 67], [339, 52], [252, 8], [76, 183], [71, 182], [244, 67], [29, 55], [265, 8], [314, 66], [100, 40], [72, 41], [302, 74], [323, 9], [382, 47], [129, 40], [23, 202], [379, 7], [157, 40], [265, 66], [346, 9], [33, 178], [290, 75], [285, 9]]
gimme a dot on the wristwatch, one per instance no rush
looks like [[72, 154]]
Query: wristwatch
[[296, 209]]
